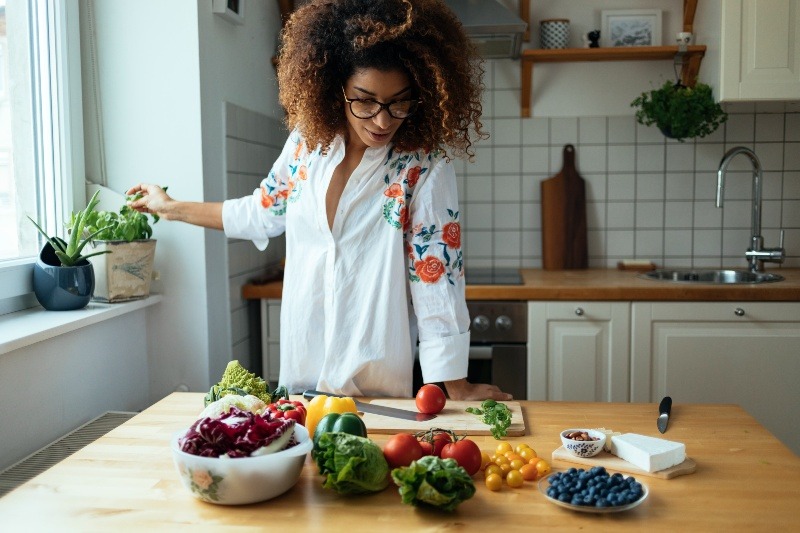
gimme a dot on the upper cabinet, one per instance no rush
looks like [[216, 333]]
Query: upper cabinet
[[753, 48]]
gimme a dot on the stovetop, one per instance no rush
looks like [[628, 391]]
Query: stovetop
[[493, 276]]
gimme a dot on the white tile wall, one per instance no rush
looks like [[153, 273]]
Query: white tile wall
[[647, 197]]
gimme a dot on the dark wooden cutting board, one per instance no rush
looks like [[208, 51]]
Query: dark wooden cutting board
[[564, 243]]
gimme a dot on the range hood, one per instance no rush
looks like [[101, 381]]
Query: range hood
[[496, 31]]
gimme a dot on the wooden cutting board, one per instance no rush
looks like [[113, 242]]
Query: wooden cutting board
[[453, 416], [564, 244], [615, 464]]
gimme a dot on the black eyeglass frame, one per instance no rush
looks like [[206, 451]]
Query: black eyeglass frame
[[382, 106]]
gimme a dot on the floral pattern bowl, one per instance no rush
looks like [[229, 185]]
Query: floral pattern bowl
[[242, 480], [583, 448]]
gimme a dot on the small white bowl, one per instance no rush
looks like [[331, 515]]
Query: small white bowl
[[588, 448], [242, 480]]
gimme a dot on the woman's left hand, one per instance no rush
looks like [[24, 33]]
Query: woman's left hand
[[461, 389]]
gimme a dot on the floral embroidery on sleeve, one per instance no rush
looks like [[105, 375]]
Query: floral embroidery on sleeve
[[275, 193], [401, 188], [425, 264]]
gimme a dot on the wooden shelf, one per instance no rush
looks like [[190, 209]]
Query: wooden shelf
[[691, 62]]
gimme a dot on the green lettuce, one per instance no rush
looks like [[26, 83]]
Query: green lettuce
[[351, 464], [432, 481]]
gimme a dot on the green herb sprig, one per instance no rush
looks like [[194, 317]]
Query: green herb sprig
[[495, 414]]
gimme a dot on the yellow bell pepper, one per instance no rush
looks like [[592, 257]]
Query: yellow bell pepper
[[321, 405]]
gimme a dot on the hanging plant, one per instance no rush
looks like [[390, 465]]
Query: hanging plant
[[680, 112]]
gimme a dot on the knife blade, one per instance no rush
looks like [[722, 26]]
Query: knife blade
[[365, 407], [664, 409]]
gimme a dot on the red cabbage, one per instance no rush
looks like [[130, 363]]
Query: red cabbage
[[237, 433]]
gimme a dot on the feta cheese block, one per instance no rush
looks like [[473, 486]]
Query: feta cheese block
[[648, 453]]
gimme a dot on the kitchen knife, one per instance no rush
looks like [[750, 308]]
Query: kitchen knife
[[365, 407], [663, 413]]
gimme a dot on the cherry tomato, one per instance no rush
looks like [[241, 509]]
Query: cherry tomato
[[529, 472], [514, 479], [494, 482], [401, 450], [494, 469], [466, 453], [427, 447], [519, 447], [528, 454], [430, 399], [516, 464], [542, 467], [485, 460], [440, 440], [503, 447]]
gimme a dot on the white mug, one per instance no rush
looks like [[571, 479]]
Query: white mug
[[683, 37]]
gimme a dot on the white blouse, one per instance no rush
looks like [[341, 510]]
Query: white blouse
[[357, 297]]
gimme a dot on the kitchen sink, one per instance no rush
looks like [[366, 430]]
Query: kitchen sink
[[721, 277]]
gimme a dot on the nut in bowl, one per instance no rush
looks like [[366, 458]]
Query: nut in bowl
[[242, 480], [583, 442]]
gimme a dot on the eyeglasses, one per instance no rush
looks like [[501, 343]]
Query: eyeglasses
[[368, 108]]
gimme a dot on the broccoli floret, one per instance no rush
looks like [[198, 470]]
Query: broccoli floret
[[237, 380]]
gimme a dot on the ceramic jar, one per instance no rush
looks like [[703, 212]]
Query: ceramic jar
[[554, 33]]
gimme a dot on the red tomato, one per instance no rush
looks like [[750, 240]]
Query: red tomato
[[430, 399], [401, 450], [427, 447], [440, 440], [466, 453]]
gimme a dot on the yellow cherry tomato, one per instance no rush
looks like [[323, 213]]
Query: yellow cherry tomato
[[516, 464], [512, 455], [514, 479], [493, 469], [494, 482], [501, 460], [485, 460], [528, 454], [506, 468], [503, 447], [542, 467], [522, 446], [529, 472]]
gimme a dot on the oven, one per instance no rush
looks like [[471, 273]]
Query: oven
[[498, 351]]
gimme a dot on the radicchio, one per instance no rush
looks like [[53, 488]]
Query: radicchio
[[237, 433]]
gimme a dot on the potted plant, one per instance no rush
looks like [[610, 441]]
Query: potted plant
[[126, 273], [63, 278], [680, 112]]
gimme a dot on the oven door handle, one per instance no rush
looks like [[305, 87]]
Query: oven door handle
[[480, 352]]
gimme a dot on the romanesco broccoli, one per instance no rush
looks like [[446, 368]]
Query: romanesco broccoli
[[237, 380]]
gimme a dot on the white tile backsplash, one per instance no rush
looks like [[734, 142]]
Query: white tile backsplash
[[647, 197]]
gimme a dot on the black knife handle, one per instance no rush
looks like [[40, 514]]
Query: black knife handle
[[309, 394], [665, 405]]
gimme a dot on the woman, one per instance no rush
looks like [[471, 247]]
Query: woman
[[375, 93]]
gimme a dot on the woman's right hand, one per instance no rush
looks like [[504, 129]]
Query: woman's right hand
[[152, 200]]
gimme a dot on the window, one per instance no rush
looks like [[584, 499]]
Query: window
[[41, 138]]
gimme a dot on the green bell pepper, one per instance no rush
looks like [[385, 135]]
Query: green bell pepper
[[349, 423]]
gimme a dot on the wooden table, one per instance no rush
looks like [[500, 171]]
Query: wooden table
[[746, 480]]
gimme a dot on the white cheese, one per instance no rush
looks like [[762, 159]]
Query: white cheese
[[648, 453]]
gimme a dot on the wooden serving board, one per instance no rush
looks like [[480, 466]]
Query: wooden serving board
[[564, 235], [453, 417], [615, 464]]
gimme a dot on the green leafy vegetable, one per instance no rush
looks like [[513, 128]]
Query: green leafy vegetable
[[494, 414], [435, 482], [351, 464]]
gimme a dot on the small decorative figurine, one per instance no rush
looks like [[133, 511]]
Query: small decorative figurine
[[591, 39]]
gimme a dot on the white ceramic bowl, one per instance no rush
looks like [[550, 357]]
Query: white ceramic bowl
[[588, 448], [241, 480]]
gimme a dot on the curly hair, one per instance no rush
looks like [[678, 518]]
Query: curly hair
[[325, 42]]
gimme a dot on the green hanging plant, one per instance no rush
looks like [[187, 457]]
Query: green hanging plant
[[680, 112]]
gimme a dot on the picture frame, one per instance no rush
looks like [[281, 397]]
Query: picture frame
[[230, 10], [631, 27]]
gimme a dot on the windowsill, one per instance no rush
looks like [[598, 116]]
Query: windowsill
[[24, 328]]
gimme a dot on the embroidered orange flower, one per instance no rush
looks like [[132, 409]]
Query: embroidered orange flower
[[267, 201], [451, 234], [394, 191], [404, 221], [282, 194], [302, 173], [410, 251], [298, 150], [413, 176], [429, 270]]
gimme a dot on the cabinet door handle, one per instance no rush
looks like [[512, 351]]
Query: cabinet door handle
[[738, 311], [579, 311]]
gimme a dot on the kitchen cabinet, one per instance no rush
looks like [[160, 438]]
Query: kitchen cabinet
[[747, 353], [579, 351], [753, 48]]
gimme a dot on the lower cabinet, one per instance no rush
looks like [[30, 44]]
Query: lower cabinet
[[579, 351], [745, 353]]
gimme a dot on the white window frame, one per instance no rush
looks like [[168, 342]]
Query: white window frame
[[60, 110]]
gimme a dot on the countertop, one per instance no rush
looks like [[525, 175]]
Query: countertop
[[605, 285], [746, 480]]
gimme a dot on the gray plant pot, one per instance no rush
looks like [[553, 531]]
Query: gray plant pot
[[60, 288]]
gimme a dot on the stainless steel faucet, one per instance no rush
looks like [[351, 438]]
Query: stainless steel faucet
[[756, 254]]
